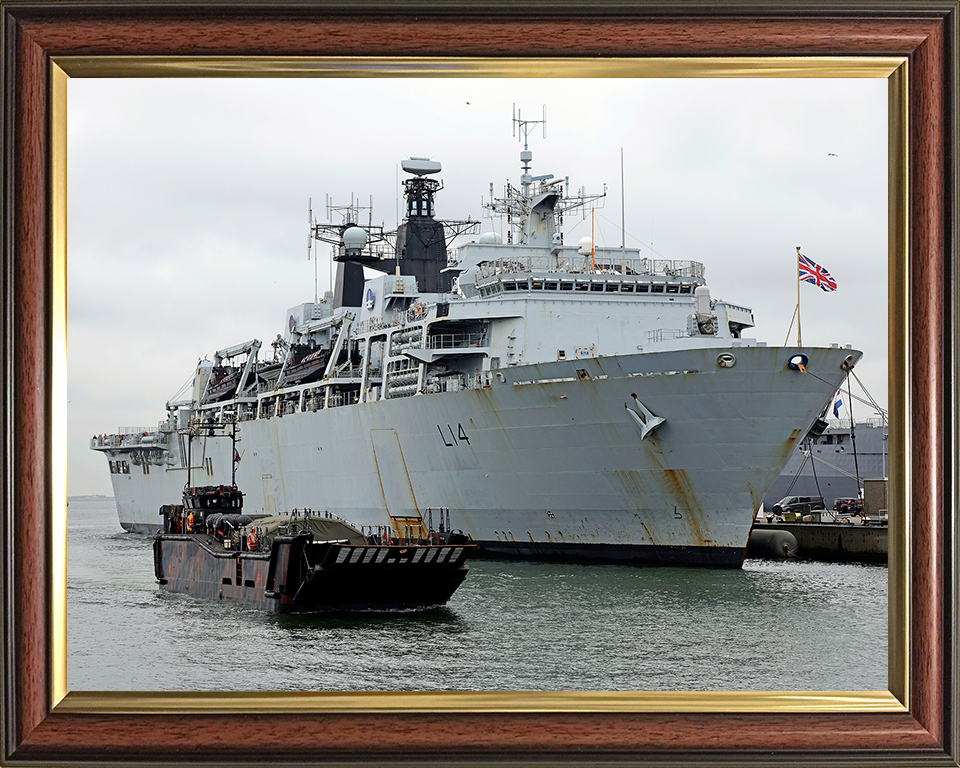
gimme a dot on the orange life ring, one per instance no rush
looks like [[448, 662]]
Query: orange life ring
[[252, 542]]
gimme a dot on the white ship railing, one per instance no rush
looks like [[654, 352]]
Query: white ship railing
[[665, 334], [747, 310], [374, 324], [874, 421], [601, 263], [456, 340], [124, 437]]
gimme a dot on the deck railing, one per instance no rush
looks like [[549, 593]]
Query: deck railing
[[600, 264], [456, 340]]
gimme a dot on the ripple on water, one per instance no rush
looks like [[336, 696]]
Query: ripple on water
[[774, 625]]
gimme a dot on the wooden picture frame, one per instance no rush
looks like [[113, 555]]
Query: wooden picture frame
[[46, 41]]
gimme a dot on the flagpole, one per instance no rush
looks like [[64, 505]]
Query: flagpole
[[797, 276]]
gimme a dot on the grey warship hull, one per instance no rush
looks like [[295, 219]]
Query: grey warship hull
[[550, 462]]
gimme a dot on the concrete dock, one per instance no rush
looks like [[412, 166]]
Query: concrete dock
[[838, 542]]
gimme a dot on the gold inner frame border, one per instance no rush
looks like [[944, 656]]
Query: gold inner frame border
[[894, 69]]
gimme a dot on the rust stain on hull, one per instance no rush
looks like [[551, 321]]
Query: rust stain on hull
[[682, 489], [676, 484], [790, 444], [647, 531]]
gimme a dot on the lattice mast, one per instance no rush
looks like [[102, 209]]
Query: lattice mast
[[534, 210]]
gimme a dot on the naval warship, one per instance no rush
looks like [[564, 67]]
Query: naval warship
[[557, 400], [834, 463]]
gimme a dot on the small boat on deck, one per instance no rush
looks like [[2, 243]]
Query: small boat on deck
[[302, 562]]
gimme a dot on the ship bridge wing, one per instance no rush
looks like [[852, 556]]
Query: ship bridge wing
[[432, 355]]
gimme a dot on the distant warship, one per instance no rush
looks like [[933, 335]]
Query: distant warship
[[834, 463]]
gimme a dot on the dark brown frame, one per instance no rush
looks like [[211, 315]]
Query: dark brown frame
[[34, 34]]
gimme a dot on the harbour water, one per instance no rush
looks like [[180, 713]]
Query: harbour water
[[774, 625]]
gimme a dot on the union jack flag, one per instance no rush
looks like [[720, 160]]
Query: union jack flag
[[814, 273]]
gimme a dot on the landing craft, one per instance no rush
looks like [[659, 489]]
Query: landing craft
[[303, 562], [564, 401]]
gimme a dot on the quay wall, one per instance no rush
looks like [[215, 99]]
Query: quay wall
[[836, 542]]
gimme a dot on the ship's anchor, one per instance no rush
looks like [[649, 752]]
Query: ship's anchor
[[646, 421]]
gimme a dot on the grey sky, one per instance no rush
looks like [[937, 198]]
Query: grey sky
[[187, 205]]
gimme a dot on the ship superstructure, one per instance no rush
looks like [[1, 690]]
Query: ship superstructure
[[561, 401]]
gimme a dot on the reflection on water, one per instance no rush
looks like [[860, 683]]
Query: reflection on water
[[774, 625]]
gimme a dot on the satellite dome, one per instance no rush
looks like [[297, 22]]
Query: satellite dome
[[586, 246], [354, 239], [490, 238], [701, 297]]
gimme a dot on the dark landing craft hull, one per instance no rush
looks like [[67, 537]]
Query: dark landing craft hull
[[300, 576], [712, 557]]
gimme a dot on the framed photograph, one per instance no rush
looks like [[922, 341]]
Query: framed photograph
[[194, 240], [45, 45]]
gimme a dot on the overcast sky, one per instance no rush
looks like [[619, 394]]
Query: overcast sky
[[188, 199]]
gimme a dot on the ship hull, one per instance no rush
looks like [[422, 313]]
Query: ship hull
[[623, 554], [285, 580], [550, 463]]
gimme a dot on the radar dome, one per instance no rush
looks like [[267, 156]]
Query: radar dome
[[702, 299], [354, 238], [490, 238], [586, 246]]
